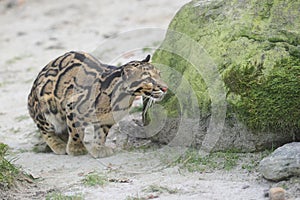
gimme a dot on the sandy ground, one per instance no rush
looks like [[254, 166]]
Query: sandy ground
[[36, 31]]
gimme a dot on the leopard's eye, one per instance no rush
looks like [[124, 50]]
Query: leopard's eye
[[149, 84]]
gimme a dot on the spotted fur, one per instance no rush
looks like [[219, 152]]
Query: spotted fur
[[75, 91]]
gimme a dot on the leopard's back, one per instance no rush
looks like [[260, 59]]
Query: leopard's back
[[70, 73]]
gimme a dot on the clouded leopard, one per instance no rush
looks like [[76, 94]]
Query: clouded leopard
[[76, 91]]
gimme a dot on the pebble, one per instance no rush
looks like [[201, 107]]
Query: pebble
[[277, 193]]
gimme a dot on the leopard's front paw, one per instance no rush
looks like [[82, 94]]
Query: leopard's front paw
[[56, 145], [101, 151], [59, 149], [76, 149]]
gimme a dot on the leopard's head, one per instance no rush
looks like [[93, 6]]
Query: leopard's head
[[143, 79]]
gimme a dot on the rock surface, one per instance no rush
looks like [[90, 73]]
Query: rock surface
[[240, 61], [283, 163]]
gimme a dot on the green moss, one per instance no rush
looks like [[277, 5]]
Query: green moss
[[60, 196], [255, 45], [95, 179], [267, 102], [193, 161]]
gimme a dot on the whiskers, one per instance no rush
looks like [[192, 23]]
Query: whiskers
[[150, 100]]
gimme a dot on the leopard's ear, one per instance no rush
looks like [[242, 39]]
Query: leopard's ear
[[147, 59]]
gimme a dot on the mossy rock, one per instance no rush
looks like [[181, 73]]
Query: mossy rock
[[255, 46]]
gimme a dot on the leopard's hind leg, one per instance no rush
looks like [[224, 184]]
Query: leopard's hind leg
[[50, 125], [56, 144]]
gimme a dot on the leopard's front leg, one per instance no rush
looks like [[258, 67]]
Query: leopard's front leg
[[98, 148], [56, 144], [76, 134]]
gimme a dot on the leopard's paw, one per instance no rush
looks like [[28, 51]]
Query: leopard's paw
[[76, 149], [56, 145], [101, 151], [59, 149]]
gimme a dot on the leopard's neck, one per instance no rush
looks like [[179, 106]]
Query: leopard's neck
[[117, 89]]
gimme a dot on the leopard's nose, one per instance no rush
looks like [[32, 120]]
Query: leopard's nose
[[164, 89]]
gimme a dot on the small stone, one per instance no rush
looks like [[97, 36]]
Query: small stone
[[245, 186], [277, 193], [266, 193], [283, 163]]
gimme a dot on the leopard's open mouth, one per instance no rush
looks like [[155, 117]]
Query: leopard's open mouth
[[154, 96], [157, 95]]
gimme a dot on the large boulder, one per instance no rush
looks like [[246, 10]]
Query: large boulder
[[283, 163], [255, 47]]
